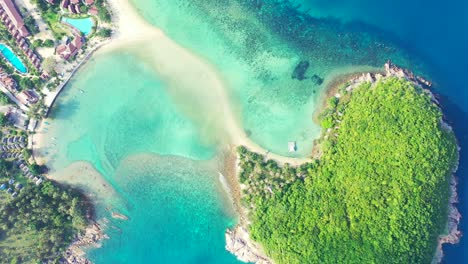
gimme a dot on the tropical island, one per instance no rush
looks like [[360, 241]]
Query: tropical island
[[378, 190]]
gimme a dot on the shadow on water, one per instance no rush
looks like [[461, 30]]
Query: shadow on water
[[58, 113], [303, 31], [458, 119]]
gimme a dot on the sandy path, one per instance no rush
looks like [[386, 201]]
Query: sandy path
[[195, 85]]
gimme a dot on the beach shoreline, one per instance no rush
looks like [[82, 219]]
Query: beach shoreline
[[135, 31]]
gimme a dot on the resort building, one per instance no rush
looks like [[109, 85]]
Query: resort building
[[28, 97], [14, 21], [69, 50], [7, 81], [17, 118], [73, 6], [65, 4], [93, 11]]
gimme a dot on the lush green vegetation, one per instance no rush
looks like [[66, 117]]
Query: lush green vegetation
[[378, 194], [38, 224], [50, 14], [104, 13], [104, 33], [4, 100], [38, 43], [30, 24]]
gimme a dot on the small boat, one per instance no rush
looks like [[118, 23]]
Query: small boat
[[292, 146], [81, 91]]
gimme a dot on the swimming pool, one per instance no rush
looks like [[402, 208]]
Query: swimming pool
[[10, 56], [84, 25]]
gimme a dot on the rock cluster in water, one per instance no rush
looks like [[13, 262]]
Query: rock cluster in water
[[239, 243], [75, 254]]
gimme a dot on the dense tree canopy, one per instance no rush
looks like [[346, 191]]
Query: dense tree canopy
[[378, 194], [38, 224]]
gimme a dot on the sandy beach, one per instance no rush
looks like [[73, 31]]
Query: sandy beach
[[194, 84]]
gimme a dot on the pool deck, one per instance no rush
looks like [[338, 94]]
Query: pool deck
[[64, 21], [8, 60]]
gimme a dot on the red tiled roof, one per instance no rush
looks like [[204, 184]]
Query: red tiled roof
[[93, 11], [60, 48], [27, 96], [69, 50], [13, 14]]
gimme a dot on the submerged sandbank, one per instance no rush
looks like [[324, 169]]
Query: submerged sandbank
[[195, 85], [84, 176]]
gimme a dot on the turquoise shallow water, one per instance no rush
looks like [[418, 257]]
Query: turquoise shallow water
[[159, 161], [259, 47], [176, 214], [153, 157], [10, 56]]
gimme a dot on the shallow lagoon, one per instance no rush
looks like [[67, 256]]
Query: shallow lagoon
[[258, 47], [155, 157], [152, 156]]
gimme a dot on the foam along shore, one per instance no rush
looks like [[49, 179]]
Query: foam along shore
[[238, 241]]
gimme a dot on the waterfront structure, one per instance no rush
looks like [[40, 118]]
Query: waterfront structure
[[69, 50]]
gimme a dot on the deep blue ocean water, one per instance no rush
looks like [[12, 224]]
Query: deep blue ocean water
[[436, 31]]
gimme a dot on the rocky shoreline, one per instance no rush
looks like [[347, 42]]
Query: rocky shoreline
[[453, 232], [90, 238], [238, 241], [453, 223]]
